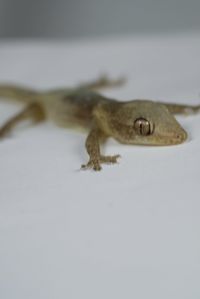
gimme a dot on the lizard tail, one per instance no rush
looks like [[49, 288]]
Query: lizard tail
[[16, 93]]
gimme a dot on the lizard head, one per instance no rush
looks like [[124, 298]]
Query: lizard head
[[140, 122]]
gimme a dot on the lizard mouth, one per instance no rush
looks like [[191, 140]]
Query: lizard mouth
[[167, 139], [172, 138]]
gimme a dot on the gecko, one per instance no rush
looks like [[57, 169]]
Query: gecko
[[134, 122]]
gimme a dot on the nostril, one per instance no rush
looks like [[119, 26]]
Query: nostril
[[181, 137]]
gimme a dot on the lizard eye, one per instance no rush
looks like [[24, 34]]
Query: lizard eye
[[143, 127]]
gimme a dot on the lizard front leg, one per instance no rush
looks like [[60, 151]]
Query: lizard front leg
[[93, 141]]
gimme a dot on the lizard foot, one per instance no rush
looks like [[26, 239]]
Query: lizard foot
[[109, 159], [96, 164], [105, 81]]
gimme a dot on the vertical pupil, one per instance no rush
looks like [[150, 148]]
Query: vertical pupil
[[143, 126]]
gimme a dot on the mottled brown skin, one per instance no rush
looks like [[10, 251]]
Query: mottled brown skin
[[139, 122]]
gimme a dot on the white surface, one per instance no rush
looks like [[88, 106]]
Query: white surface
[[130, 231]]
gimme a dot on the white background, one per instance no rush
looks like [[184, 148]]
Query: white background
[[130, 231]]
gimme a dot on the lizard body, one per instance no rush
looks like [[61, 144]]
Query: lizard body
[[140, 122]]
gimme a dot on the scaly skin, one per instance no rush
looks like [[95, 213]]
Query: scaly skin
[[140, 122]]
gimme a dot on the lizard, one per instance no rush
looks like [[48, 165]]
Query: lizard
[[134, 122]]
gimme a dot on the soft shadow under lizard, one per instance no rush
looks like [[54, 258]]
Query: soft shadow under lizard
[[141, 122]]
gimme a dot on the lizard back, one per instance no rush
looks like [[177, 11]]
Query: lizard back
[[71, 107]]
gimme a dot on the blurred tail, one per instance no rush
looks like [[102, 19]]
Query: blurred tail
[[16, 93]]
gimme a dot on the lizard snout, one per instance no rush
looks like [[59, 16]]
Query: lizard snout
[[179, 137]]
